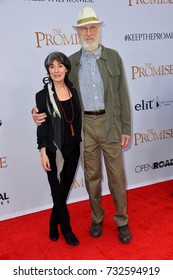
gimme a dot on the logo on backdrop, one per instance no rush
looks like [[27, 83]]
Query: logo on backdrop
[[149, 2], [78, 183], [134, 37], [149, 70], [61, 1], [152, 136], [3, 162], [153, 166], [152, 104], [4, 198], [55, 38]]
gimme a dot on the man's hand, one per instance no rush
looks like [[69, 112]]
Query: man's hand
[[125, 141], [38, 118]]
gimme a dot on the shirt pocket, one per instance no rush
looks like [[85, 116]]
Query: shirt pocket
[[114, 74]]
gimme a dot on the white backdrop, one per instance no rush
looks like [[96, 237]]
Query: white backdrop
[[141, 31]]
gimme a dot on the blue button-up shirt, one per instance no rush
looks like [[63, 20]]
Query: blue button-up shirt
[[90, 82]]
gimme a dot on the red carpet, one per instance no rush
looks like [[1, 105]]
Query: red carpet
[[150, 210]]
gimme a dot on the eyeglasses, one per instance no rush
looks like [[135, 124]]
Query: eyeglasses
[[85, 29]]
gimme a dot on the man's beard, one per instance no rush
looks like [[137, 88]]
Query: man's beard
[[91, 46]]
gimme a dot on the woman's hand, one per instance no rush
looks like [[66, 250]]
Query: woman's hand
[[45, 162], [38, 118]]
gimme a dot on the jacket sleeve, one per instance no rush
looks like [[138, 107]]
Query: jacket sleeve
[[43, 129], [125, 111]]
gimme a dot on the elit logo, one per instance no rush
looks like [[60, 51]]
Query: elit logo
[[152, 104], [148, 104], [4, 199]]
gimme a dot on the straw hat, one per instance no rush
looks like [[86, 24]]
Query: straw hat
[[86, 16]]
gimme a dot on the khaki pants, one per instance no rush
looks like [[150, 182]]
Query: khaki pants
[[94, 146]]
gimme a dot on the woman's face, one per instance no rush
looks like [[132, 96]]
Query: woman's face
[[57, 71]]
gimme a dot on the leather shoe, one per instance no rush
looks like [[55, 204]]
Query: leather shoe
[[53, 234], [96, 229], [71, 239], [124, 234]]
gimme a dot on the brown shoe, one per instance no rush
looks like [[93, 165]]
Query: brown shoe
[[124, 234], [96, 229]]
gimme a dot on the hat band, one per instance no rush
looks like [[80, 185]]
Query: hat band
[[87, 20]]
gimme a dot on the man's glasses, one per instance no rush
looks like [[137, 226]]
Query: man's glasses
[[85, 29]]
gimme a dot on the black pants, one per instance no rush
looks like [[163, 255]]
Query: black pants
[[60, 190]]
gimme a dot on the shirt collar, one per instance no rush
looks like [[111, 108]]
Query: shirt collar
[[96, 54]]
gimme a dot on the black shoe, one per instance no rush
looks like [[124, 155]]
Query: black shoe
[[124, 234], [71, 239], [53, 234], [96, 229]]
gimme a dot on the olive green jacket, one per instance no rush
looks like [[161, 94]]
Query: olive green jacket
[[117, 105]]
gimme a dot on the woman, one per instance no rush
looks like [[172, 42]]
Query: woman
[[59, 140]]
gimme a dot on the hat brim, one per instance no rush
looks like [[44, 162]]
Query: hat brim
[[90, 22]]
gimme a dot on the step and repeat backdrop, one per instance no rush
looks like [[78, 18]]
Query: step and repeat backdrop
[[142, 32]]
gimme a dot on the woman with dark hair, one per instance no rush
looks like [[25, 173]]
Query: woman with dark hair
[[59, 140]]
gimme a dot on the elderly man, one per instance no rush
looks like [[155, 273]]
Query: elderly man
[[97, 73]]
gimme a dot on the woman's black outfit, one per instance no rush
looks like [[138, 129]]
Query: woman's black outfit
[[69, 145]]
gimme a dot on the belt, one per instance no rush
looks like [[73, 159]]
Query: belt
[[95, 113]]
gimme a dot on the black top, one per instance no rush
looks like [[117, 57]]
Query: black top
[[57, 128], [68, 138]]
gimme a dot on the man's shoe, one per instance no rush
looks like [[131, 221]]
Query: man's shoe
[[124, 234], [96, 229], [71, 239], [53, 234]]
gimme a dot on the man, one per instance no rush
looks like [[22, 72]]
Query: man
[[98, 75]]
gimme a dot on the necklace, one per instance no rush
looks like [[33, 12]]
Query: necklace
[[65, 117]]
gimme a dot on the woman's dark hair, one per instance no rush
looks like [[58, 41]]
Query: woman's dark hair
[[60, 57]]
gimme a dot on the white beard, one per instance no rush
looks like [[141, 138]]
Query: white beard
[[89, 47]]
